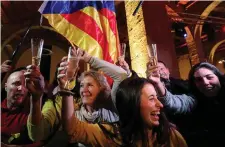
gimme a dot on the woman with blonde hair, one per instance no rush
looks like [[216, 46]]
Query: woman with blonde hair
[[95, 114]]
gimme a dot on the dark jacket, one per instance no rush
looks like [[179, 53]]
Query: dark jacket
[[207, 127]]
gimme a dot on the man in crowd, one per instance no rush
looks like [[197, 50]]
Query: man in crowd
[[15, 110]]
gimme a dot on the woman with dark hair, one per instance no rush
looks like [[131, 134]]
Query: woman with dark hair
[[142, 121], [208, 86], [206, 80]]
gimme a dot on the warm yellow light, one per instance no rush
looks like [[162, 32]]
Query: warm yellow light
[[137, 38], [221, 61]]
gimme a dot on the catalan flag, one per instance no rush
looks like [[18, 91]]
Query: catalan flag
[[91, 25]]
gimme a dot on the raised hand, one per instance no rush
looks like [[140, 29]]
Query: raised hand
[[62, 70], [153, 74], [34, 82], [5, 67], [61, 76], [74, 57], [83, 55], [123, 64]]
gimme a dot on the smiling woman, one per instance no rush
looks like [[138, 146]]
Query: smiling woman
[[95, 97], [207, 84], [95, 118], [206, 80], [150, 106], [142, 121]]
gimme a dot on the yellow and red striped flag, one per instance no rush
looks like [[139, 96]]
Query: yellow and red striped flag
[[90, 25]]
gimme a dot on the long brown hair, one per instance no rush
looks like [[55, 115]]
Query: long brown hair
[[128, 99]]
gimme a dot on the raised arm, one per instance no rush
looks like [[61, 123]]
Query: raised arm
[[67, 110], [35, 85], [47, 123], [67, 103], [117, 73], [39, 122], [181, 103], [78, 131], [82, 132]]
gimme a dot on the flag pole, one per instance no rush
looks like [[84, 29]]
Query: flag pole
[[17, 48], [139, 5]]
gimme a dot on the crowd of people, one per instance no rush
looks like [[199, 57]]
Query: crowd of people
[[156, 111]]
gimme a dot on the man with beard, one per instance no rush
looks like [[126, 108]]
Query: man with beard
[[15, 109]]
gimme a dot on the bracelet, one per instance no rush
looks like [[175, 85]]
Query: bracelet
[[65, 93]]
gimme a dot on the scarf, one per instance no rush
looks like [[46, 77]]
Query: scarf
[[98, 116]]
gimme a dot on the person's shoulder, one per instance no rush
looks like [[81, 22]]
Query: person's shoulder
[[111, 127], [4, 103], [112, 131], [177, 139]]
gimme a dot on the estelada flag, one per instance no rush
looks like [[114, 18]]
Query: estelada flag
[[90, 25]]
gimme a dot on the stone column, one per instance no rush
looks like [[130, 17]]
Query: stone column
[[137, 38]]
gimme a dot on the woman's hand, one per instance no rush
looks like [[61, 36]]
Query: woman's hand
[[123, 64], [153, 75], [83, 55], [61, 76]]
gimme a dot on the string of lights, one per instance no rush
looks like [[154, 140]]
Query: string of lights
[[195, 18]]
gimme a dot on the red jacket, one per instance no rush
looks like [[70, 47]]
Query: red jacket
[[13, 125]]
